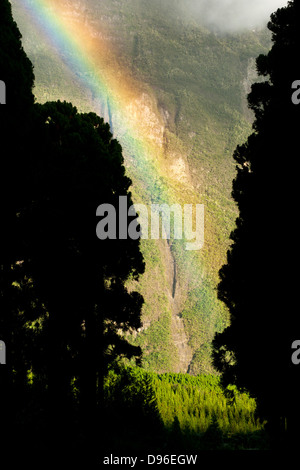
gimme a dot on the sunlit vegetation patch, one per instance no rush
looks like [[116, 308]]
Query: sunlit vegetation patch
[[178, 409]]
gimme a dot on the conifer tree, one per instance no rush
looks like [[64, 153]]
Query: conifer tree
[[258, 283], [16, 75], [79, 278], [63, 298]]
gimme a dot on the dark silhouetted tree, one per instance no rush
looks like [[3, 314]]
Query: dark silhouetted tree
[[79, 279], [259, 281], [16, 72], [64, 304]]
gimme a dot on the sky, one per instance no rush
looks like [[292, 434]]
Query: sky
[[235, 15]]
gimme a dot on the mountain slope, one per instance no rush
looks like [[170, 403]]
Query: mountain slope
[[187, 88]]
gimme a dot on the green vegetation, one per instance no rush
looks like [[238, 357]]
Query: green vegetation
[[69, 305], [196, 82], [260, 300], [63, 299], [179, 411]]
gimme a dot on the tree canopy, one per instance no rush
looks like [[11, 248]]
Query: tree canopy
[[63, 298], [258, 283]]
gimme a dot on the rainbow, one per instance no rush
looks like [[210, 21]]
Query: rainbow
[[135, 122], [92, 59], [88, 53]]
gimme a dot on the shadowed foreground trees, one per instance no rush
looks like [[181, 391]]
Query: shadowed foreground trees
[[78, 278], [63, 300], [259, 283], [16, 72]]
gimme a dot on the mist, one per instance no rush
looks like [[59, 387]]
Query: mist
[[231, 16]]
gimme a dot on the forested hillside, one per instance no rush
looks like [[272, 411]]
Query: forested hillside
[[187, 87], [179, 413]]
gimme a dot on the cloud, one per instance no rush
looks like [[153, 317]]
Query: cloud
[[234, 15]]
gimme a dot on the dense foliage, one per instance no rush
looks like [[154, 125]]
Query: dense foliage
[[63, 299], [195, 83], [257, 283], [159, 412]]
